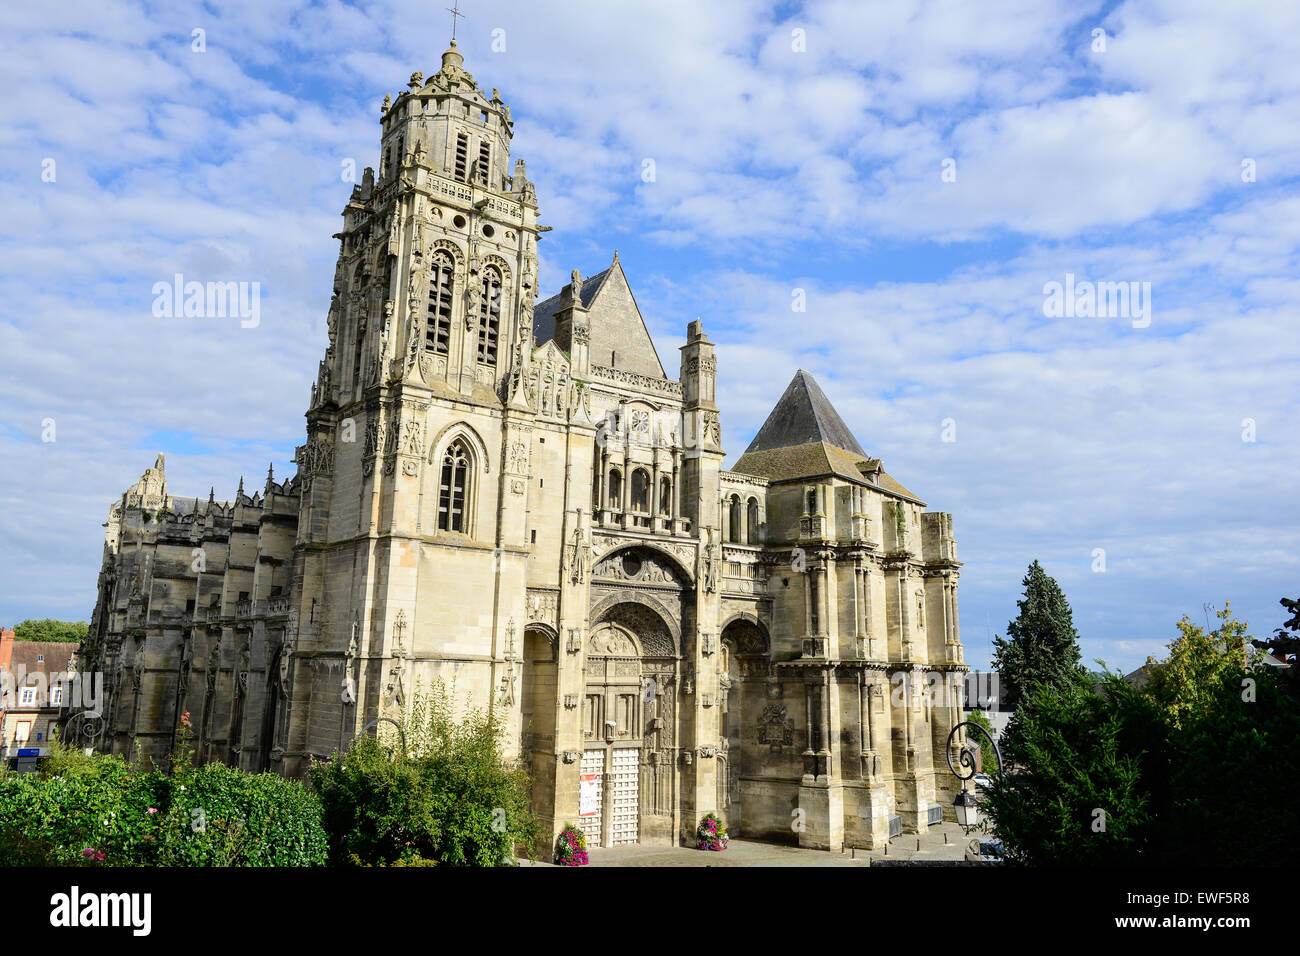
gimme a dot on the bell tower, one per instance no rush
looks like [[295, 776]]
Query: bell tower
[[437, 273], [415, 472]]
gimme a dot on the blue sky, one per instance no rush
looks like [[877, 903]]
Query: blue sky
[[795, 147]]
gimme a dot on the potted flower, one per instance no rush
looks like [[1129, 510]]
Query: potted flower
[[711, 833], [571, 847]]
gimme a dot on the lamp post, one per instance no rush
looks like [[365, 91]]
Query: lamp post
[[964, 803]]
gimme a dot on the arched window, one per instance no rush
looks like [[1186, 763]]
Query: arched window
[[734, 524], [489, 323], [640, 491], [751, 524], [453, 487], [437, 328], [615, 499], [666, 496]]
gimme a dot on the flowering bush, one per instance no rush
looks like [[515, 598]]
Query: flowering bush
[[711, 833], [571, 847]]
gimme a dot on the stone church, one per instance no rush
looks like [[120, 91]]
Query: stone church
[[516, 497]]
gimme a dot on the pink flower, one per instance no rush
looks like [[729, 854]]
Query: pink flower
[[152, 810]]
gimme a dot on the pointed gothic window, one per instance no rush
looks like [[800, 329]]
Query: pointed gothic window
[[733, 525], [489, 324], [453, 487], [437, 329], [484, 161], [751, 523], [462, 155], [666, 496]]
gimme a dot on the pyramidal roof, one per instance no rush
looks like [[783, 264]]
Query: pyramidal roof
[[804, 437], [804, 415]]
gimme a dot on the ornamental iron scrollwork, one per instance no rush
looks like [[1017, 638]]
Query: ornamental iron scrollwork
[[966, 756]]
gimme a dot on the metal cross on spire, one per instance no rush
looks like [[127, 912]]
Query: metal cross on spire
[[454, 10]]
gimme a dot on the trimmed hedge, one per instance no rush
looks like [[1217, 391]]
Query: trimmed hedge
[[209, 816]]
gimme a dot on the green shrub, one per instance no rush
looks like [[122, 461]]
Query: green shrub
[[448, 796], [98, 810], [98, 803], [218, 816]]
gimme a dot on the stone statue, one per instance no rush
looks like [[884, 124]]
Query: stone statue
[[578, 557], [710, 572]]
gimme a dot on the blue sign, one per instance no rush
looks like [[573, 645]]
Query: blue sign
[[29, 752]]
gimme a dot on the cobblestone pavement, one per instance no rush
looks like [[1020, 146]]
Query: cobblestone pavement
[[753, 853]]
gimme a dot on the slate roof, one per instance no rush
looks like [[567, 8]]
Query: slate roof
[[804, 437], [544, 312], [804, 415], [619, 336]]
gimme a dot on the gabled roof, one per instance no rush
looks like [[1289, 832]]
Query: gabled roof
[[544, 312], [56, 655], [804, 416], [619, 337]]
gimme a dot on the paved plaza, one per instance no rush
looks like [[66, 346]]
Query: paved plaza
[[945, 842]]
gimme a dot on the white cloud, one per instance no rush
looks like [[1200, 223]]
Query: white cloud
[[774, 169]]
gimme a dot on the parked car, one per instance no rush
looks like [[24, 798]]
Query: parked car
[[983, 781], [984, 850]]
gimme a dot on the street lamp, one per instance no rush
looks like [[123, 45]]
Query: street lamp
[[964, 804], [967, 814]]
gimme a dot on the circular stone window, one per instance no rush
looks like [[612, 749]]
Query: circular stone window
[[631, 565], [459, 222], [489, 231]]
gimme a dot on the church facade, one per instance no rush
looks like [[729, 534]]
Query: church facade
[[516, 498]]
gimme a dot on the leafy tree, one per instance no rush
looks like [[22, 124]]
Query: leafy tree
[[48, 629], [1080, 795], [1195, 767], [1233, 772], [1185, 684], [1041, 647], [1285, 642]]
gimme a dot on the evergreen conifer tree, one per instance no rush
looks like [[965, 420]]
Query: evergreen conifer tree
[[1041, 647]]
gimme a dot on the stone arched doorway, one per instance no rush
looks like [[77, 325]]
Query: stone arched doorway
[[612, 734], [742, 692], [537, 709]]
